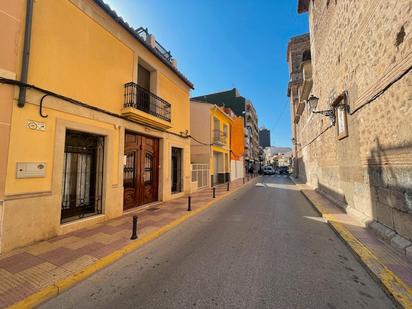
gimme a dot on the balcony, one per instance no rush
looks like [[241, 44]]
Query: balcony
[[219, 137], [145, 107], [307, 80]]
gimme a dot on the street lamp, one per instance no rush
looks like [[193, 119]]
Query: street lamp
[[313, 103]]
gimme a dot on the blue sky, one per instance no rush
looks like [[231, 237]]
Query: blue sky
[[221, 44]]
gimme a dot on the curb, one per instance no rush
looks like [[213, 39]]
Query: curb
[[62, 285], [393, 286]]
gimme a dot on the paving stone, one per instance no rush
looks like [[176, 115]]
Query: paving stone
[[60, 256], [8, 281], [79, 263], [20, 262], [26, 270], [43, 275]]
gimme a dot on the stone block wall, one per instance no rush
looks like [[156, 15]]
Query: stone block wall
[[364, 48]]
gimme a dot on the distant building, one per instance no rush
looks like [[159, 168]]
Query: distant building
[[237, 145], [212, 127], [272, 154], [264, 137], [244, 108]]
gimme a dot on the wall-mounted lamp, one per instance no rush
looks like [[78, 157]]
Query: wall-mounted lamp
[[313, 103]]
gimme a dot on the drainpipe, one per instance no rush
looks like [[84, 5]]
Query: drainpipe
[[26, 53]]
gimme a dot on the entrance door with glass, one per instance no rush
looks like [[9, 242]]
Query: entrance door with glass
[[141, 174]]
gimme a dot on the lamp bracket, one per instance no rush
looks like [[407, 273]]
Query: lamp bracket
[[328, 113]]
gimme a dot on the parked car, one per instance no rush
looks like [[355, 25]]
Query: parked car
[[283, 170], [268, 170]]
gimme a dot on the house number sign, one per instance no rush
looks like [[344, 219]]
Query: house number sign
[[35, 125]]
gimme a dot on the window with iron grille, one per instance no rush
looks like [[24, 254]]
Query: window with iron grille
[[82, 175], [176, 170], [200, 173]]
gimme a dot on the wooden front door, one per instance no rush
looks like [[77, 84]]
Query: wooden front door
[[141, 173]]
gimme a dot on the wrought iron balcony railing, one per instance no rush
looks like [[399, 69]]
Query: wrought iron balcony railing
[[219, 137], [142, 99]]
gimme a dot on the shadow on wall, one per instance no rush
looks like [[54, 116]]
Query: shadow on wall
[[336, 196], [387, 187], [301, 170], [390, 181]]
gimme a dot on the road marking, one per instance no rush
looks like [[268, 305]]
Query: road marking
[[399, 291], [319, 219]]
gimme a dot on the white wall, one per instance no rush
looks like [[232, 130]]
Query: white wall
[[237, 168]]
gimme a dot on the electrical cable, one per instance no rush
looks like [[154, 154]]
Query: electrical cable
[[314, 139], [8, 81], [381, 92], [280, 117], [377, 95], [196, 140]]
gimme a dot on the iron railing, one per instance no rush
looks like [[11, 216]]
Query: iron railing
[[82, 175], [219, 137], [200, 173], [142, 99], [144, 33]]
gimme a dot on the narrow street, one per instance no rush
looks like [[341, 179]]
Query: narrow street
[[263, 247]]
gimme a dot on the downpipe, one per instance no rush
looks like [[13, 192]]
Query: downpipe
[[26, 53]]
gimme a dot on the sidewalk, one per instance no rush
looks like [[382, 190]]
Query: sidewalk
[[391, 270], [32, 274]]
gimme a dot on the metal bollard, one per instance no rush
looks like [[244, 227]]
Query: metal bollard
[[243, 180], [228, 185], [214, 192], [134, 228], [189, 203]]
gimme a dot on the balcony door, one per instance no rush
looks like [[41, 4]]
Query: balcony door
[[141, 173], [143, 79]]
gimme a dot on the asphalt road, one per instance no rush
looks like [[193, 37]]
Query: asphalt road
[[263, 247]]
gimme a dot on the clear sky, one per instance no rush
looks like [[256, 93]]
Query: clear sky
[[222, 44]]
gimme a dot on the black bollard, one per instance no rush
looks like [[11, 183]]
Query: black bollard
[[134, 228], [189, 203], [214, 192], [243, 180], [228, 185]]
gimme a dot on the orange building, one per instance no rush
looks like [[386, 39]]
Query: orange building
[[237, 145]]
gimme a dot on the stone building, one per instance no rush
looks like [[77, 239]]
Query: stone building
[[296, 48], [359, 57]]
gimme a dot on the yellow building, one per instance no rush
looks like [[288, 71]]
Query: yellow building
[[95, 119], [210, 128]]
